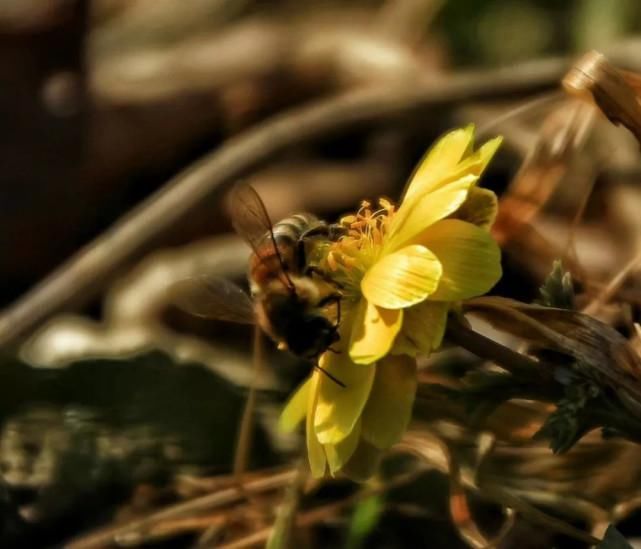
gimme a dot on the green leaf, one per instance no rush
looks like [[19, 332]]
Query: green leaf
[[613, 540], [281, 536], [363, 521], [557, 289], [570, 421]]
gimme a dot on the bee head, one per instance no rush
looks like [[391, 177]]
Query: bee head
[[295, 320], [312, 335]]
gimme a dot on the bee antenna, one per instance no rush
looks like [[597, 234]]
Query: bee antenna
[[330, 376]]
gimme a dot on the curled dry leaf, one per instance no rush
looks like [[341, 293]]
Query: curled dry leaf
[[615, 91], [600, 352], [134, 321]]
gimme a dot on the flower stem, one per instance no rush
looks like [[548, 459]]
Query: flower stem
[[488, 349]]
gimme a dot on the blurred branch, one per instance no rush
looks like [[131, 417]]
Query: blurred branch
[[613, 286], [408, 19], [36, 15], [185, 516], [323, 512], [535, 515], [205, 503], [136, 317], [424, 448], [217, 171]]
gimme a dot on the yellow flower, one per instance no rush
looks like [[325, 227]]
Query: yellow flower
[[400, 269]]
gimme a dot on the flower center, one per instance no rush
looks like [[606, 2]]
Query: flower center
[[349, 258]]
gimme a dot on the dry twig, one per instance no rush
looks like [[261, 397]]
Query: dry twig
[[202, 504]]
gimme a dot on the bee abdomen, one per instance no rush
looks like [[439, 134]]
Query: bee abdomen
[[292, 228], [266, 265]]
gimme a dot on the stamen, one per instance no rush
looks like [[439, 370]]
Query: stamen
[[377, 237], [331, 261], [349, 261], [347, 220], [354, 252], [385, 204]]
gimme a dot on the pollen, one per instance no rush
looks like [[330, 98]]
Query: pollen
[[349, 258]]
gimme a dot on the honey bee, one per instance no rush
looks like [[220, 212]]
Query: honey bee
[[290, 296]]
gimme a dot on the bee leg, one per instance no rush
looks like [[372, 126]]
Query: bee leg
[[333, 298], [333, 232], [330, 376], [329, 299], [322, 229]]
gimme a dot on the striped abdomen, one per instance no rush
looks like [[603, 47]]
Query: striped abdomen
[[266, 265]]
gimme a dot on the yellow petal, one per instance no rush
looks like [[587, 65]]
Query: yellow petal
[[338, 408], [363, 463], [480, 208], [423, 329], [439, 161], [403, 278], [471, 259], [389, 408], [416, 215], [442, 194], [373, 332], [339, 454], [315, 451], [296, 408], [477, 162]]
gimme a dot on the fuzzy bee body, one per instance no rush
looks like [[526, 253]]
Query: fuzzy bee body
[[289, 299], [292, 301], [284, 251]]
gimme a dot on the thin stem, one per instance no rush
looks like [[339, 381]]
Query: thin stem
[[611, 289], [323, 512], [488, 349], [208, 502], [246, 428], [536, 516]]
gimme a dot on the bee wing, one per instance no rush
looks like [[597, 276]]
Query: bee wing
[[212, 297], [250, 218], [251, 221]]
